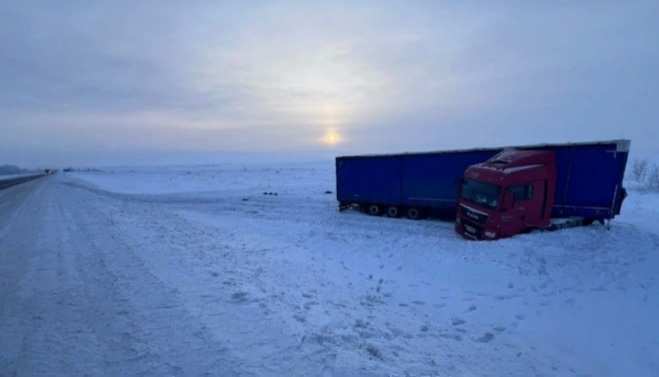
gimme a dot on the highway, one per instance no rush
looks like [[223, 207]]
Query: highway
[[77, 300], [8, 182]]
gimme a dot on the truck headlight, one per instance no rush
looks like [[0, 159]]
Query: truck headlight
[[490, 234]]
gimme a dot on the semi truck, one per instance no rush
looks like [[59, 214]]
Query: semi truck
[[493, 192], [542, 187]]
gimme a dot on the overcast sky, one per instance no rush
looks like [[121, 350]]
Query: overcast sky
[[119, 82]]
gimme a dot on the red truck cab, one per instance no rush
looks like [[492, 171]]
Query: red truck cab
[[508, 194]]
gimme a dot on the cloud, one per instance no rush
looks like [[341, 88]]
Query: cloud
[[214, 76]]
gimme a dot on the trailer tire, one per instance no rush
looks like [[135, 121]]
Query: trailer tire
[[587, 222], [393, 211], [374, 210], [413, 213]]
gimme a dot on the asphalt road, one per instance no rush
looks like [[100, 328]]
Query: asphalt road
[[4, 183]]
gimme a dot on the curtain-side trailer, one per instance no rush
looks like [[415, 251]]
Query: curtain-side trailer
[[411, 184]]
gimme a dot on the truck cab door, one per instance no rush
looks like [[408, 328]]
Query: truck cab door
[[529, 201]]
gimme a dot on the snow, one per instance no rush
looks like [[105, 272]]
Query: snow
[[210, 259], [211, 178]]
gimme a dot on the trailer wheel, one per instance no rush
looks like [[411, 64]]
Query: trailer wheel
[[393, 211], [588, 222], [413, 213], [374, 209]]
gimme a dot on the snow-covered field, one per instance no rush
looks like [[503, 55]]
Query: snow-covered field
[[230, 178], [296, 288], [251, 270]]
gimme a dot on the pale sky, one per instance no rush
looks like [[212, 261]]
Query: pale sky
[[135, 82]]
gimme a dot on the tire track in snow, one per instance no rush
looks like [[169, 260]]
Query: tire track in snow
[[85, 304], [147, 327]]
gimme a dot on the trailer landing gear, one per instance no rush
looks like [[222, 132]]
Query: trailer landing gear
[[343, 206]]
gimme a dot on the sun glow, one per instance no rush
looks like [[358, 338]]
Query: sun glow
[[331, 137]]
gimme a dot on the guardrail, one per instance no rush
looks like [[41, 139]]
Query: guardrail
[[5, 183]]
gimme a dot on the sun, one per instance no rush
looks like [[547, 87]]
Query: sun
[[331, 137]]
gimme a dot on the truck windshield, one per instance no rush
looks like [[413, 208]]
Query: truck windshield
[[482, 193]]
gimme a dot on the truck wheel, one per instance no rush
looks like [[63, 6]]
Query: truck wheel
[[393, 211], [413, 213], [374, 209]]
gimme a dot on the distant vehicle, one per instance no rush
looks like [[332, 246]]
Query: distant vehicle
[[546, 187], [492, 193]]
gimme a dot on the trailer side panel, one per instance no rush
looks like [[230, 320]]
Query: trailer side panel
[[369, 180], [589, 180], [433, 180]]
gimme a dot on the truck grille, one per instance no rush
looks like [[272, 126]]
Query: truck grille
[[472, 230], [473, 216]]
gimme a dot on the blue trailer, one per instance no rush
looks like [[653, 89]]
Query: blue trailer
[[414, 184], [589, 178]]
